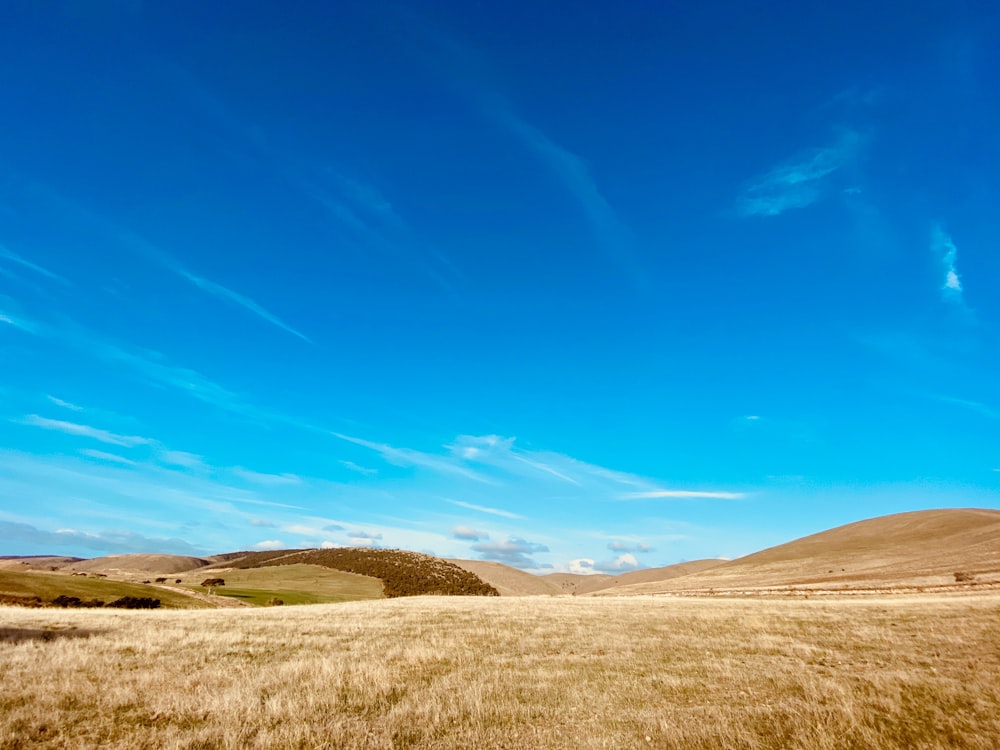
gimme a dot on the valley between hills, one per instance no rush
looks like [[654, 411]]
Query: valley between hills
[[921, 551]]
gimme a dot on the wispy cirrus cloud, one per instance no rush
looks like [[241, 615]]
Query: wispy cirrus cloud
[[140, 246], [800, 181], [22, 324], [63, 404], [575, 176], [148, 250], [266, 480], [485, 509], [228, 295], [364, 470], [109, 457], [468, 70], [682, 495], [409, 457], [977, 406], [82, 430], [11, 257]]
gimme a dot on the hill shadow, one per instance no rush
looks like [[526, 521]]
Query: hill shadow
[[20, 635]]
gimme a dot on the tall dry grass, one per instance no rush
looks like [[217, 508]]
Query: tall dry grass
[[921, 672]]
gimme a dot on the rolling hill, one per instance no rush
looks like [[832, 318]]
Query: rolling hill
[[905, 550], [141, 563], [402, 573]]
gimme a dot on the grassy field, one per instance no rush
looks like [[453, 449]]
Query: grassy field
[[293, 584], [50, 585], [428, 672]]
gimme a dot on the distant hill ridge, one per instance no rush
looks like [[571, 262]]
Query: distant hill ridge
[[950, 548], [915, 549]]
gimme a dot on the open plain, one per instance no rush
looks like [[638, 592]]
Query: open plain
[[542, 672]]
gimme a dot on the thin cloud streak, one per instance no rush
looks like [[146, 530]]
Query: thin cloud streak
[[63, 404], [236, 298], [138, 245], [19, 323], [484, 509], [408, 457], [10, 255], [574, 174], [81, 430], [682, 494]]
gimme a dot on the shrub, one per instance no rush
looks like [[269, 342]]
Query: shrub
[[963, 577], [275, 602], [213, 582], [74, 601], [135, 602]]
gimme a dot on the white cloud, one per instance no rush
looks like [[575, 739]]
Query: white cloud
[[359, 469], [514, 551], [368, 535], [106, 542], [82, 430], [269, 544], [263, 523], [468, 533], [618, 545], [621, 564], [946, 252], [581, 566], [64, 404]]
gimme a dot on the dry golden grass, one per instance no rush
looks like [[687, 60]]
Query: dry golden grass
[[428, 672]]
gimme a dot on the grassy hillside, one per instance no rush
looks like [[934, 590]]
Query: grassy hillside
[[509, 581], [560, 673], [47, 586], [917, 549], [292, 584], [141, 563], [402, 573]]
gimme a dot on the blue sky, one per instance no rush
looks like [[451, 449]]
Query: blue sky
[[588, 290]]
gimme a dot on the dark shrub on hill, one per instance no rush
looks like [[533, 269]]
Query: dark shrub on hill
[[402, 573], [135, 602], [75, 601]]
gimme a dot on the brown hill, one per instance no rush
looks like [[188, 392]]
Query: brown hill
[[916, 549], [140, 563], [36, 562], [514, 582], [402, 573], [574, 583], [509, 581]]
